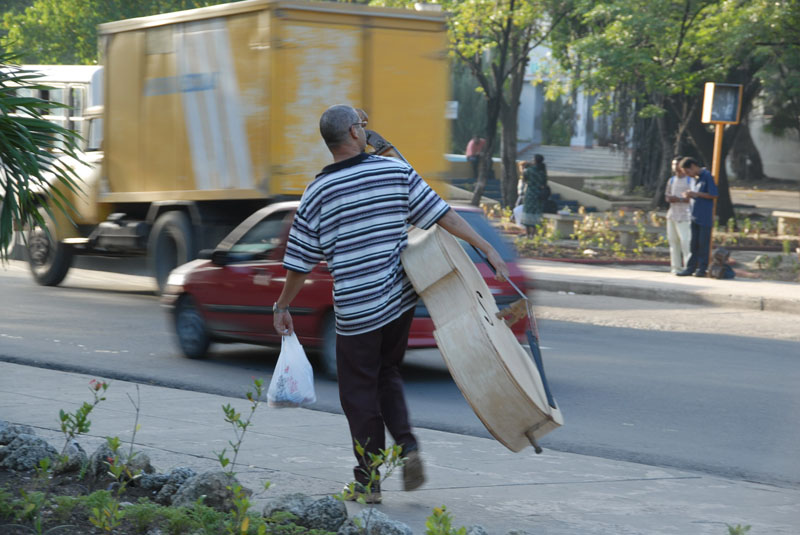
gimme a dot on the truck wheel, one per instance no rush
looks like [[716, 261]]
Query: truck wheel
[[171, 244], [190, 327], [327, 353], [49, 259]]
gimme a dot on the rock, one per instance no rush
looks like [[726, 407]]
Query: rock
[[25, 452], [9, 431], [141, 464], [98, 466], [212, 485], [175, 479], [295, 504], [476, 529], [327, 514], [373, 522], [517, 532], [153, 482], [76, 459]]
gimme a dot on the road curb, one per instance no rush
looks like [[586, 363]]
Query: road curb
[[700, 297]]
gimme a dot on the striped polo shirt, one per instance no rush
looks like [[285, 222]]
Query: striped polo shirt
[[354, 215]]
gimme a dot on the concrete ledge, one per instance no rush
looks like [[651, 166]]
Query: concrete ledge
[[563, 224], [788, 222], [692, 297]]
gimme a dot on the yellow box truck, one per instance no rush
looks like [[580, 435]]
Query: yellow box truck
[[209, 113]]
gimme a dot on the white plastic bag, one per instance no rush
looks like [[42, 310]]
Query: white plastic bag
[[517, 213], [292, 383]]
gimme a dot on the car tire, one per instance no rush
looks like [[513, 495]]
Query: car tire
[[327, 353], [191, 329], [171, 244], [48, 258]]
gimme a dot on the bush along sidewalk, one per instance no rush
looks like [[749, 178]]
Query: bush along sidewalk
[[117, 490]]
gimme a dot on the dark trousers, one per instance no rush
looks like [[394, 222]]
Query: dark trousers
[[698, 249], [371, 389]]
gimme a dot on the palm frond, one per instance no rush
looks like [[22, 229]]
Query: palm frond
[[33, 154]]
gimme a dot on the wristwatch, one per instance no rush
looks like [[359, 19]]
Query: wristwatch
[[276, 309]]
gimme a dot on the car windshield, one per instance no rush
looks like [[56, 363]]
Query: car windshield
[[264, 236], [482, 226]]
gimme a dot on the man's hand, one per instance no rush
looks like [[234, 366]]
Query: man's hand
[[282, 321], [281, 318], [377, 142]]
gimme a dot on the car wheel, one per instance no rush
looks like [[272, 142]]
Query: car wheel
[[327, 353], [190, 328], [171, 244], [49, 259]]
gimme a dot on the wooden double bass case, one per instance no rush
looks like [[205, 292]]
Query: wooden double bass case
[[493, 371]]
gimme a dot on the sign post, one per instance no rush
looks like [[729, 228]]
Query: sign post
[[722, 104]]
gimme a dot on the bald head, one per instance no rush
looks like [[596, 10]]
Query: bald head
[[335, 123]]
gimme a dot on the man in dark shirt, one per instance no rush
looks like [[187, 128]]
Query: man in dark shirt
[[701, 200]]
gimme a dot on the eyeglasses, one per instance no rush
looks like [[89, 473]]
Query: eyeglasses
[[362, 124]]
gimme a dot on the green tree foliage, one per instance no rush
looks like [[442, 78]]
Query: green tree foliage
[[65, 31], [649, 60], [34, 154], [493, 39], [10, 7], [781, 73]]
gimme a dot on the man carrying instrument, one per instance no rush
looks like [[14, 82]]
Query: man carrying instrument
[[354, 216]]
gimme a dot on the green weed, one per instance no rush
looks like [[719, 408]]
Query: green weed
[[440, 522]]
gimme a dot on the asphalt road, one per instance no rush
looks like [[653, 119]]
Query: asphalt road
[[718, 403]]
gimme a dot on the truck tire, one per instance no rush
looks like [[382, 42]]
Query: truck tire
[[171, 243], [327, 353], [190, 328], [48, 259]]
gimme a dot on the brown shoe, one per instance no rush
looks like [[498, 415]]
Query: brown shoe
[[413, 471], [353, 491]]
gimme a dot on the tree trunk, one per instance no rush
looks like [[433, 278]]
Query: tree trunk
[[492, 113], [509, 110], [667, 144], [509, 181], [645, 155]]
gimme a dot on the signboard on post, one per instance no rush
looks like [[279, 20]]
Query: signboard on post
[[722, 103]]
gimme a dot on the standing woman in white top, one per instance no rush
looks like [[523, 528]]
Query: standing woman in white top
[[679, 217]]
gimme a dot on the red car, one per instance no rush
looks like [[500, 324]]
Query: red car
[[227, 294]]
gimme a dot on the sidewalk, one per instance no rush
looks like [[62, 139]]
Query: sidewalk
[[479, 481], [662, 286]]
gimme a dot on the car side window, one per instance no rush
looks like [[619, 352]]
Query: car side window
[[264, 236]]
